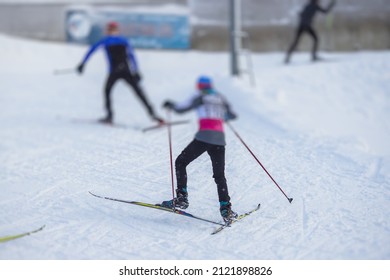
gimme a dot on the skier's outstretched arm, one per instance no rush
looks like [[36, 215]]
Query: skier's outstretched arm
[[91, 50], [327, 9], [185, 106]]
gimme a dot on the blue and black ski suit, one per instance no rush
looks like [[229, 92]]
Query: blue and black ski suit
[[119, 53]]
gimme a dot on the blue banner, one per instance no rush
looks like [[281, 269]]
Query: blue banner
[[156, 31]]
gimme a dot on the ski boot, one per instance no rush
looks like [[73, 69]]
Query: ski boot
[[181, 201], [287, 60], [106, 120], [227, 213]]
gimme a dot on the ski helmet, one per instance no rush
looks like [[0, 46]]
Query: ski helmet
[[204, 82], [112, 26]]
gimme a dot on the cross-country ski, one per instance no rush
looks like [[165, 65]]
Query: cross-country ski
[[158, 207], [164, 124], [16, 236], [240, 217]]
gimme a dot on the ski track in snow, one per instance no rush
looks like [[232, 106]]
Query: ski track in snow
[[326, 149]]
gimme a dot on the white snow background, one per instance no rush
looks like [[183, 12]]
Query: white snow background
[[322, 130]]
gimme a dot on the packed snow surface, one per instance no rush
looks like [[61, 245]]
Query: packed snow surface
[[321, 130]]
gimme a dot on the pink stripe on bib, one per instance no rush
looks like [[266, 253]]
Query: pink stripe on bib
[[211, 124]]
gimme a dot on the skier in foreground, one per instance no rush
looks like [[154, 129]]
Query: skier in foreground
[[119, 53], [212, 110], [305, 26]]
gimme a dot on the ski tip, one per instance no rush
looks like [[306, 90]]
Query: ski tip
[[95, 195], [39, 229]]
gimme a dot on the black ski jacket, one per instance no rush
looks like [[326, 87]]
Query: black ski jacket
[[311, 9]]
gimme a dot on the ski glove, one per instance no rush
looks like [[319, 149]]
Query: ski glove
[[137, 77], [230, 116], [168, 105], [80, 68]]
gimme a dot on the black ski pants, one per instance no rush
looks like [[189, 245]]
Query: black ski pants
[[217, 156], [113, 77], [304, 29]]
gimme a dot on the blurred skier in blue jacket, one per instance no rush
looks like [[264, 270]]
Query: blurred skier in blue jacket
[[122, 65]]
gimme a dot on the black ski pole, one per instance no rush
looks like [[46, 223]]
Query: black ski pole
[[170, 153], [258, 161], [64, 71]]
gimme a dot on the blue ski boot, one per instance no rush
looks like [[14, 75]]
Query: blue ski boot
[[227, 213], [181, 201]]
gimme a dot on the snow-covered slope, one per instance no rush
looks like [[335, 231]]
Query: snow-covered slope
[[321, 130]]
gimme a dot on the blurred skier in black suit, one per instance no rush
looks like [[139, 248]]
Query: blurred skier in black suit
[[305, 26]]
